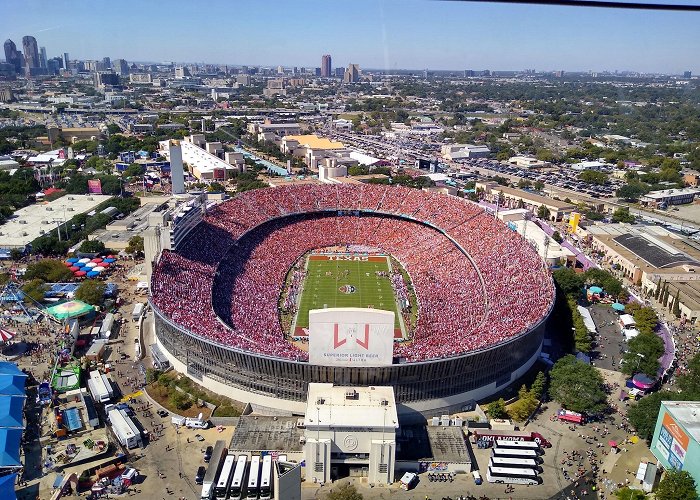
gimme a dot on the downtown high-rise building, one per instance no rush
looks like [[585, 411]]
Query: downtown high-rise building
[[31, 53], [12, 55], [326, 66], [352, 74], [42, 57]]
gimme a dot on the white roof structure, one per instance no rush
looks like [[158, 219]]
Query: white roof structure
[[339, 406], [552, 251], [197, 158], [363, 159], [587, 319], [686, 413], [29, 222]]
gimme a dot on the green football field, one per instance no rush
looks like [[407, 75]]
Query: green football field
[[346, 283]]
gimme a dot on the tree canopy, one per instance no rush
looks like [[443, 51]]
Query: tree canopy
[[577, 386], [91, 291], [48, 270], [344, 491], [676, 485]]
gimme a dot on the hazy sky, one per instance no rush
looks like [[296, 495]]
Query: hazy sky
[[386, 34]]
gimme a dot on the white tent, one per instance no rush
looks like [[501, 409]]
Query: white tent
[[587, 319]]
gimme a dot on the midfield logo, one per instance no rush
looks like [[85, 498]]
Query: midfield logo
[[350, 334]]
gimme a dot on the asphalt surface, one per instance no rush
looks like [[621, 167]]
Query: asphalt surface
[[609, 341]]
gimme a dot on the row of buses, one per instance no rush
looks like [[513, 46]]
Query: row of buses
[[515, 462], [238, 478]]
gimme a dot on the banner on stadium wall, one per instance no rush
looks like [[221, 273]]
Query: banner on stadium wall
[[351, 336], [95, 186]]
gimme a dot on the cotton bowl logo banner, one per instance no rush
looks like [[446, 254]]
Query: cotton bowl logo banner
[[351, 336]]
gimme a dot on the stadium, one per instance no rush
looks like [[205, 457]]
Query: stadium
[[470, 296]]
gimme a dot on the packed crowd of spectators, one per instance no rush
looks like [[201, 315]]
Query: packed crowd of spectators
[[225, 283]]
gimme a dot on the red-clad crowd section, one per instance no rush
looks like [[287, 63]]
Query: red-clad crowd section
[[499, 290]]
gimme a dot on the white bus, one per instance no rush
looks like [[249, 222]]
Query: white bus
[[265, 478], [224, 481], [522, 463], [520, 445], [511, 476], [512, 453], [100, 387], [253, 477], [236, 490]]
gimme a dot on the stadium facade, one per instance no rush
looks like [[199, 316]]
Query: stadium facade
[[422, 386]]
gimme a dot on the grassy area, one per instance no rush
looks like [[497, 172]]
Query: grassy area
[[346, 283], [162, 388]]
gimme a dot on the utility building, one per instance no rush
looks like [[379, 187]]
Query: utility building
[[350, 431]]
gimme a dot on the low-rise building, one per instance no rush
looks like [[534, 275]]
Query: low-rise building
[[667, 197], [353, 427], [464, 151], [528, 162], [507, 197]]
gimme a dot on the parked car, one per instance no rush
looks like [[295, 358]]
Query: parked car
[[207, 453], [199, 478]]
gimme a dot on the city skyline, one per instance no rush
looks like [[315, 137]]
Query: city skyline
[[382, 35]]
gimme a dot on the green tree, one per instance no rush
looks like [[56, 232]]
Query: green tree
[[524, 406], [689, 383], [135, 245], [539, 385], [345, 491], [676, 485], [91, 246], [35, 289], [631, 192], [676, 305], [630, 494], [133, 170], [577, 386], [180, 400], [48, 270], [623, 214], [538, 185], [497, 409], [646, 319], [91, 291], [643, 356], [569, 281], [543, 212], [593, 177], [556, 236]]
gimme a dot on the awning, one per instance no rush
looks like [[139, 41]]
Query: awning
[[618, 307]]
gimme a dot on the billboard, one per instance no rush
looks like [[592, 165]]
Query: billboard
[[351, 336], [673, 442], [94, 186]]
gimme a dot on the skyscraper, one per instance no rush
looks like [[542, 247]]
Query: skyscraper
[[352, 74], [121, 67], [65, 60], [13, 56], [326, 66], [42, 57], [31, 53]]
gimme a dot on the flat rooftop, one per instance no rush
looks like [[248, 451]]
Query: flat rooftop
[[369, 407], [28, 223], [258, 433], [447, 444], [686, 413], [658, 255]]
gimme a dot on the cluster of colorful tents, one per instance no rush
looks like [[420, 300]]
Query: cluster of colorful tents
[[90, 268]]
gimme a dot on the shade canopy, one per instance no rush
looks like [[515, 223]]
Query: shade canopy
[[72, 259], [618, 307], [643, 381], [70, 309], [93, 274], [80, 273], [67, 264], [90, 265], [74, 268], [6, 334], [109, 260], [84, 261], [98, 269], [96, 260], [595, 289]]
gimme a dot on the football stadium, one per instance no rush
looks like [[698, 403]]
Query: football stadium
[[280, 287]]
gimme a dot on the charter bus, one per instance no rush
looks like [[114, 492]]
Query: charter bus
[[521, 463], [224, 481], [253, 477], [519, 445], [215, 463], [236, 490], [512, 453], [265, 477], [511, 476]]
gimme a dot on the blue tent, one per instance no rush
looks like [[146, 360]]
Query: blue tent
[[93, 274], [618, 307], [11, 412], [12, 379], [7, 487], [9, 447], [595, 289]]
